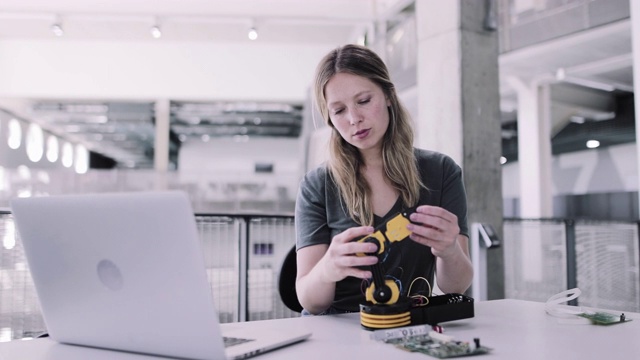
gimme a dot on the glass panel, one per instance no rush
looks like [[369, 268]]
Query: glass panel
[[607, 265], [535, 259], [269, 241], [20, 315]]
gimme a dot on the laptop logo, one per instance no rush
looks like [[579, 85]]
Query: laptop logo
[[110, 275]]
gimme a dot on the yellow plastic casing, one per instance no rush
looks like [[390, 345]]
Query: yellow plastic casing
[[395, 292], [378, 236], [397, 228]]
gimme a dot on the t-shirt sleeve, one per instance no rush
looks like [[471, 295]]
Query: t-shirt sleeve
[[443, 179], [454, 196], [311, 210]]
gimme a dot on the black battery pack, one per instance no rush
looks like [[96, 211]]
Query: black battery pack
[[443, 308]]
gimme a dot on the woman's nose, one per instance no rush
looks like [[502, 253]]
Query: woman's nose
[[354, 117]]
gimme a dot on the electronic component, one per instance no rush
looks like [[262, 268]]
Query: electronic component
[[374, 316], [402, 332], [443, 308], [383, 291], [553, 307], [420, 339], [603, 318], [440, 308], [385, 308]]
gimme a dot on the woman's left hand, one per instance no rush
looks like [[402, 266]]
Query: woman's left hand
[[435, 227]]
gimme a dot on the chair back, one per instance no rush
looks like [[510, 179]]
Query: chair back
[[287, 281]]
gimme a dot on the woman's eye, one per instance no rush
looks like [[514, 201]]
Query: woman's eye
[[336, 112], [364, 101]]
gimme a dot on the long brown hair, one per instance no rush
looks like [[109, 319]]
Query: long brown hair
[[345, 161]]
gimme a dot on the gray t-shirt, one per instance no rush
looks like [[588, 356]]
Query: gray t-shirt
[[320, 215]]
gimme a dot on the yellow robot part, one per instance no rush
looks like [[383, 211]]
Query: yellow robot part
[[385, 321], [379, 237], [397, 228], [395, 292]]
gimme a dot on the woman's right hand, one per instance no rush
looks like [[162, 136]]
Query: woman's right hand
[[341, 260], [321, 266]]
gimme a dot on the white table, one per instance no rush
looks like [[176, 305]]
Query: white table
[[514, 329]]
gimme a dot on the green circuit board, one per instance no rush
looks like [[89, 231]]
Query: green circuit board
[[425, 344], [603, 318]]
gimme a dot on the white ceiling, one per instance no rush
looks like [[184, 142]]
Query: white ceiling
[[586, 71], [186, 20], [601, 55], [304, 22]]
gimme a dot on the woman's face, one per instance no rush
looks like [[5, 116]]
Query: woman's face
[[358, 109]]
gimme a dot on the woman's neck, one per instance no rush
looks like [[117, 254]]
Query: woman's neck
[[372, 158]]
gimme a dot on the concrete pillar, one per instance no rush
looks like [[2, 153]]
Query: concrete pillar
[[534, 147], [161, 146], [458, 113], [534, 162], [635, 44]]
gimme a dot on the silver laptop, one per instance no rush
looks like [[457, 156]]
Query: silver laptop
[[125, 271]]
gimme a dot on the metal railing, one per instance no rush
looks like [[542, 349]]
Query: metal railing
[[543, 257], [243, 255]]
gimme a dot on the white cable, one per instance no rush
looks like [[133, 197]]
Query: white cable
[[554, 306]]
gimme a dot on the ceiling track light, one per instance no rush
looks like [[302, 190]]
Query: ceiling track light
[[253, 32], [56, 27], [592, 144], [155, 30]]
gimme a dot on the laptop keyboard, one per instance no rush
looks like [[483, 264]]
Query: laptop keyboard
[[231, 341]]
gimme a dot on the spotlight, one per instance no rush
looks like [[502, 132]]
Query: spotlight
[[56, 26], [156, 32], [253, 33], [592, 144], [57, 29]]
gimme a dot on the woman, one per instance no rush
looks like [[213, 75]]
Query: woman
[[373, 172]]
